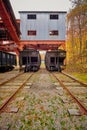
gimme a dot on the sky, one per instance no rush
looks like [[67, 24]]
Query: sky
[[39, 5]]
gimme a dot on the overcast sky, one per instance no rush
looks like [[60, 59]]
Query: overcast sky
[[39, 5]]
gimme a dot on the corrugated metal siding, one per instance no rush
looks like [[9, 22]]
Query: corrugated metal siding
[[42, 24]]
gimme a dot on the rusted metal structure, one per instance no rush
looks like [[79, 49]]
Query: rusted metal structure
[[6, 42], [42, 44], [9, 19], [9, 29]]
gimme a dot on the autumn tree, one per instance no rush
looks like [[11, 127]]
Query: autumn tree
[[77, 30]]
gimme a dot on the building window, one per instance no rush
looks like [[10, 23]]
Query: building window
[[31, 32], [54, 16], [31, 16], [53, 32]]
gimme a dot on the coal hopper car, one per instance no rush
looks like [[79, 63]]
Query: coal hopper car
[[7, 61], [29, 60], [54, 60]]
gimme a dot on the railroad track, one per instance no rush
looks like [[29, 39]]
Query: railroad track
[[9, 89], [84, 84], [10, 79], [42, 104], [75, 89]]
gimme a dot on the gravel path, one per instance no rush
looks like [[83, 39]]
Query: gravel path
[[42, 105]]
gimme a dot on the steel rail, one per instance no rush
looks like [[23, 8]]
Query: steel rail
[[3, 83], [85, 84], [12, 96], [82, 108]]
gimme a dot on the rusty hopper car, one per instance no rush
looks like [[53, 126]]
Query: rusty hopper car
[[30, 60], [55, 59], [7, 61]]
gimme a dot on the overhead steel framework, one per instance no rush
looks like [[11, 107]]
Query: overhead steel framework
[[43, 45], [9, 20]]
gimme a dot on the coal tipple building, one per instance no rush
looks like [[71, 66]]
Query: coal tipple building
[[43, 27]]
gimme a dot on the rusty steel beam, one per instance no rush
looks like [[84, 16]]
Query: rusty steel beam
[[43, 44], [7, 21], [36, 42], [41, 47]]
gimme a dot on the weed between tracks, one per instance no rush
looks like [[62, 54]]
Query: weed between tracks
[[46, 113]]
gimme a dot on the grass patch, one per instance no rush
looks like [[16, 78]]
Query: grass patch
[[82, 77]]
